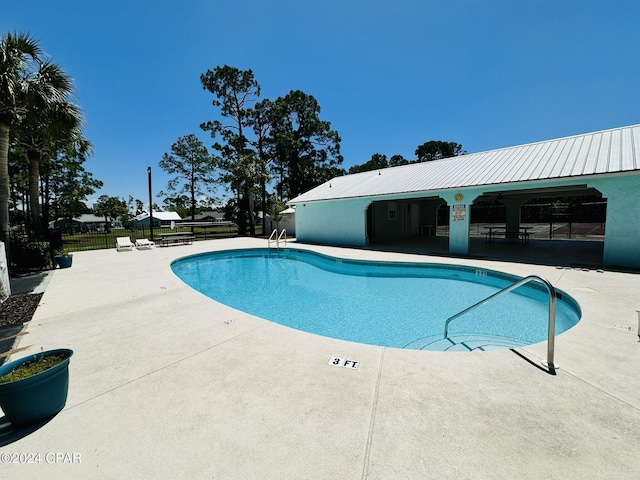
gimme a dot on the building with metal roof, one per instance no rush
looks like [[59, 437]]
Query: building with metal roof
[[394, 202], [160, 219]]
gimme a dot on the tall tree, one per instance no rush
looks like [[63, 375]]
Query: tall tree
[[18, 55], [193, 166], [76, 149], [437, 149], [235, 91], [397, 160], [45, 130], [139, 206], [181, 204], [110, 208], [19, 184], [71, 184], [307, 149], [379, 161], [260, 120], [376, 162]]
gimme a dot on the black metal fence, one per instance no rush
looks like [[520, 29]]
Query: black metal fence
[[27, 256], [78, 242]]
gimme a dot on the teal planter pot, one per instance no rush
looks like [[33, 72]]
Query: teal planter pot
[[64, 261], [36, 398]]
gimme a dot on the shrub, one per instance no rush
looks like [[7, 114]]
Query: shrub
[[26, 255]]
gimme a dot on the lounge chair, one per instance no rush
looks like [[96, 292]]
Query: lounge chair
[[144, 243], [123, 243]]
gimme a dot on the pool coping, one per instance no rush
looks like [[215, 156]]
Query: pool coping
[[464, 275], [168, 383]]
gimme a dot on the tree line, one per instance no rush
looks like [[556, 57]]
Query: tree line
[[258, 145], [428, 151], [259, 142]]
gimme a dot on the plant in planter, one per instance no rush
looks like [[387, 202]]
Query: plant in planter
[[63, 259], [35, 388]]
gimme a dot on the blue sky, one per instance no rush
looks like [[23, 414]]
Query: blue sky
[[389, 76]]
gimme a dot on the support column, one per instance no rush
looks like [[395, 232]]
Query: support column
[[513, 208], [459, 220]]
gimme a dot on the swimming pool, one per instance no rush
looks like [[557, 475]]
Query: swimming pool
[[392, 304]]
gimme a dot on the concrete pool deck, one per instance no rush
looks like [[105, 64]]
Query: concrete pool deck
[[166, 383]]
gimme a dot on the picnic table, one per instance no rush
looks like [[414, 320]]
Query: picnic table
[[208, 228], [165, 239], [426, 230], [494, 231]]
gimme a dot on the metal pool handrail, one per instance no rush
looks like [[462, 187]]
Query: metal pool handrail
[[277, 238], [273, 236], [552, 312], [283, 233]]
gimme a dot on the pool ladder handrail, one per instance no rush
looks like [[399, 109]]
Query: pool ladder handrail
[[552, 312], [277, 238]]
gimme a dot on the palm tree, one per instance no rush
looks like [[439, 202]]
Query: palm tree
[[34, 91], [45, 131], [18, 55]]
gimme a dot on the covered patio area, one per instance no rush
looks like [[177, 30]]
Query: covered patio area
[[584, 173], [576, 252]]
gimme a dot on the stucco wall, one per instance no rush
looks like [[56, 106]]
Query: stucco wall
[[622, 230], [334, 222], [343, 222]]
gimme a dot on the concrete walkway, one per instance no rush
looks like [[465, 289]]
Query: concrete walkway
[[166, 383], [34, 283]]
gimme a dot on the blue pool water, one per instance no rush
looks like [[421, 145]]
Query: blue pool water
[[402, 305]]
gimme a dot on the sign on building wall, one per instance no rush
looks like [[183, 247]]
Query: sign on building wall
[[459, 213], [392, 215]]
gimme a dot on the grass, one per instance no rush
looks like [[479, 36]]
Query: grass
[[33, 367], [95, 240]]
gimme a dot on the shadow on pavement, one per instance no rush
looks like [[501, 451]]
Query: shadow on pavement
[[10, 434]]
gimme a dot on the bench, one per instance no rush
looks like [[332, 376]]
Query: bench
[[521, 233], [170, 239]]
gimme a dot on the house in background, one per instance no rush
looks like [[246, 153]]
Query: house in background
[[207, 217], [87, 222], [287, 222], [160, 220]]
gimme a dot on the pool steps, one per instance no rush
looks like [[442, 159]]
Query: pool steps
[[462, 343], [551, 291]]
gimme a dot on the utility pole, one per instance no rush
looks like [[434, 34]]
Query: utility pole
[[150, 206]]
